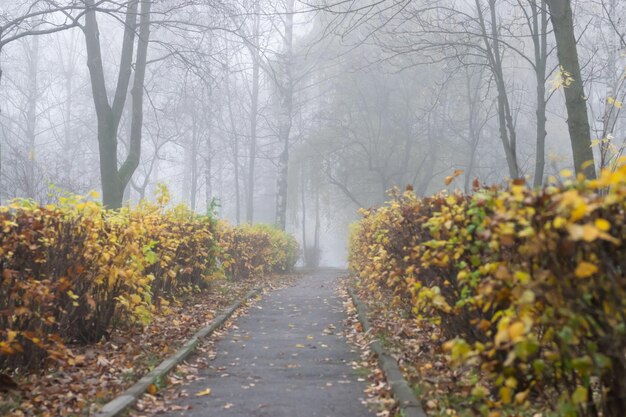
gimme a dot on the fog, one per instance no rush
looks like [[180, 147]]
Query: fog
[[299, 112]]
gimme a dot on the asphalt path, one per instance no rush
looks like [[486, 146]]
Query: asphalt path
[[286, 357]]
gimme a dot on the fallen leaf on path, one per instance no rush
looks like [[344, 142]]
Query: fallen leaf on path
[[203, 392]]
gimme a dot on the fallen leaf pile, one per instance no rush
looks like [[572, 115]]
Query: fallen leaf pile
[[378, 393], [101, 371]]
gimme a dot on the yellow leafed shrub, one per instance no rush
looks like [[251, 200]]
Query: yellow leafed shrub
[[528, 287], [72, 271], [252, 250], [284, 249]]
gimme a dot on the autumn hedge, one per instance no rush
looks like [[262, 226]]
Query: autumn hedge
[[74, 271], [528, 287], [258, 249]]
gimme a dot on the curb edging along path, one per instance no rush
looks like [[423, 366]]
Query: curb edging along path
[[400, 388], [131, 395]]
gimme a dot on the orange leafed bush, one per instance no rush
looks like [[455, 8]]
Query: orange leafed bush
[[71, 272], [528, 287]]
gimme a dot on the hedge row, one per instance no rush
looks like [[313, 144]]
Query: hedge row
[[73, 272], [528, 287], [258, 249]]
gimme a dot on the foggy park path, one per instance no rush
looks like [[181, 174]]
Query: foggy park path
[[286, 357]]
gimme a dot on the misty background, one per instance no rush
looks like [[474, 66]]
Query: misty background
[[295, 113]]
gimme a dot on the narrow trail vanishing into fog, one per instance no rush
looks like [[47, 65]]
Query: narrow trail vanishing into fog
[[286, 357]]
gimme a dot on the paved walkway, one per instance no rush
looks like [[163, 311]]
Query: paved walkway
[[284, 358]]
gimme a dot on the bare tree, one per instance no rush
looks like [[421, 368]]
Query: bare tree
[[114, 179], [537, 20], [286, 90], [493, 51]]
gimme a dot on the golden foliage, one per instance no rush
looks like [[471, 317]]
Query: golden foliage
[[527, 286], [73, 271], [253, 250]]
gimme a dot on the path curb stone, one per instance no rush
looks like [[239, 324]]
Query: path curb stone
[[400, 388], [129, 397]]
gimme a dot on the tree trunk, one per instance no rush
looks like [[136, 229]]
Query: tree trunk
[[254, 112], [491, 39], [285, 117], [134, 155], [207, 185], [429, 162], [67, 131], [575, 99], [207, 171], [540, 43], [611, 112], [31, 116], [281, 188], [305, 249], [473, 106], [127, 195], [107, 145], [186, 188], [194, 163], [540, 160], [114, 180], [233, 128], [316, 236], [155, 182]]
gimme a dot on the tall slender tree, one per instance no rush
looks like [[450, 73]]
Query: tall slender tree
[[575, 98], [286, 90], [254, 110]]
